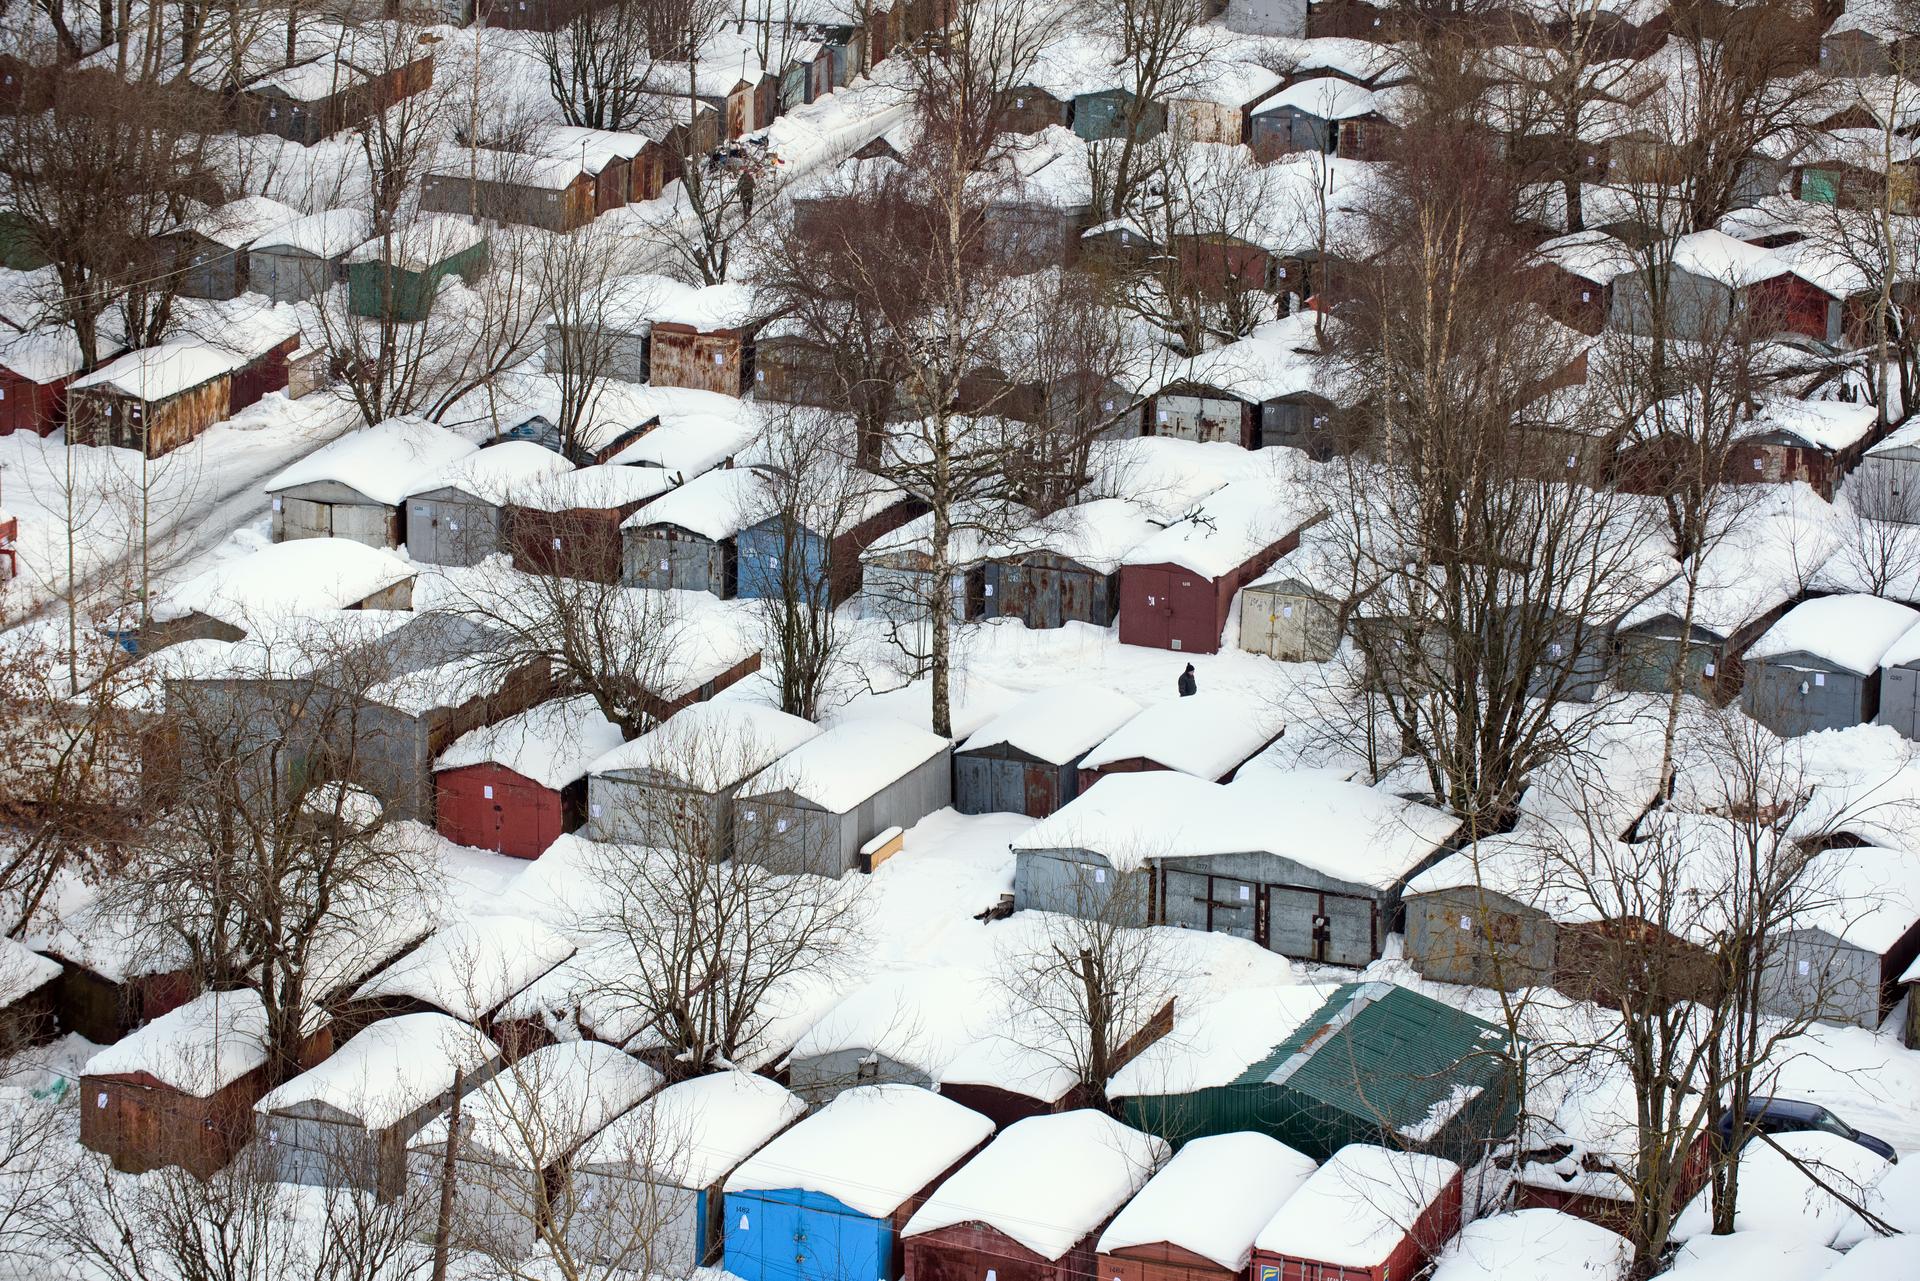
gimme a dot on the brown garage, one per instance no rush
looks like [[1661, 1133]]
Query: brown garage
[[569, 524], [156, 399], [703, 338], [180, 1091]]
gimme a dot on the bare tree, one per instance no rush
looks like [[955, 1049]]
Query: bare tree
[[1869, 234], [716, 916], [518, 1206], [810, 273], [1068, 356], [941, 299], [1685, 938], [1094, 986], [1685, 381], [585, 278], [71, 792], [415, 337], [396, 146], [93, 181], [272, 867], [1161, 53], [596, 63], [720, 193], [238, 1225], [1215, 211], [1492, 579], [32, 1186], [808, 497], [399, 353], [1729, 92], [1552, 100], [1878, 541], [621, 646]]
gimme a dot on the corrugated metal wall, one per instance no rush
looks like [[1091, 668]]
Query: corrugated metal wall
[[796, 1235], [1791, 701], [662, 557]]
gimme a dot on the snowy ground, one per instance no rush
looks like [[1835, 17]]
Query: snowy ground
[[191, 499]]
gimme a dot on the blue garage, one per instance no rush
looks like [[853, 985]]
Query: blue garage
[[796, 1235], [774, 553], [826, 1200], [820, 554]]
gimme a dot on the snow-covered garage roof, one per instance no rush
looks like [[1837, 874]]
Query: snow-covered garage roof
[[544, 1105], [494, 474], [1534, 1245], [1204, 735], [385, 462], [716, 505], [1213, 1198], [922, 1018], [1357, 1207], [1228, 528], [1046, 1181], [712, 744], [198, 1049], [870, 1149], [1058, 723], [157, 373], [1853, 632], [468, 968], [274, 581], [552, 744], [389, 1069], [1347, 831], [690, 1134], [847, 764]]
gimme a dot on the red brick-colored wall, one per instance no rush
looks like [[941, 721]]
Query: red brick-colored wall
[[490, 807], [30, 406]]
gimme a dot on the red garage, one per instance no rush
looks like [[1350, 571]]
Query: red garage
[[1030, 1206], [1177, 587], [1368, 1214], [516, 786], [35, 368]]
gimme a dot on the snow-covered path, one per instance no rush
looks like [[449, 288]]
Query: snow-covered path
[[198, 495]]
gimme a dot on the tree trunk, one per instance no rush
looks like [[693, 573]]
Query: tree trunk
[[449, 1172], [1099, 1052], [942, 648]]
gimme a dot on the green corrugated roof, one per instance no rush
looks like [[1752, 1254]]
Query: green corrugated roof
[[1387, 1055]]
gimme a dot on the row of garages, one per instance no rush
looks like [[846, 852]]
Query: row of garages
[[502, 768], [1102, 562], [1349, 866], [1543, 908], [1795, 662], [707, 776], [414, 484], [733, 1168]]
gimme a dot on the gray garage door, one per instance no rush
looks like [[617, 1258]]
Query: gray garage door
[[1315, 926]]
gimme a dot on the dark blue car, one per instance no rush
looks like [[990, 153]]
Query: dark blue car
[[1791, 1116]]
